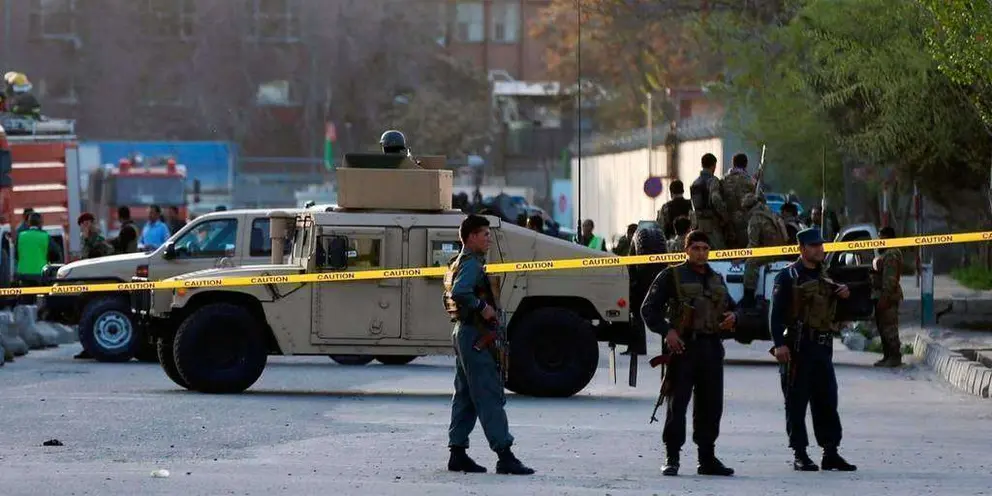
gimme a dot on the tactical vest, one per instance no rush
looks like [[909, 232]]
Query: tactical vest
[[709, 302], [482, 291], [776, 221], [877, 273], [699, 193], [813, 303]]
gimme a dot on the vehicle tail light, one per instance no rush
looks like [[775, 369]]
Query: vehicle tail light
[[141, 271], [622, 303]]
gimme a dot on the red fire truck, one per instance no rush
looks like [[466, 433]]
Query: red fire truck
[[138, 184], [39, 169]]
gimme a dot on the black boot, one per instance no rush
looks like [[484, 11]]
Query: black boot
[[671, 467], [83, 355], [802, 462], [509, 464], [833, 461], [459, 461], [710, 465]]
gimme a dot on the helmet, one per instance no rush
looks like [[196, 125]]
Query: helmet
[[392, 141], [17, 82]]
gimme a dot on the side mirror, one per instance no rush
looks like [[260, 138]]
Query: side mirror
[[170, 252], [337, 253]]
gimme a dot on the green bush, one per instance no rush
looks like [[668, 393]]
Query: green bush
[[973, 277]]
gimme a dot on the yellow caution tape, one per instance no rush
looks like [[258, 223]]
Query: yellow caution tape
[[576, 263]]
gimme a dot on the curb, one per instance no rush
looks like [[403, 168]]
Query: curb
[[966, 375]]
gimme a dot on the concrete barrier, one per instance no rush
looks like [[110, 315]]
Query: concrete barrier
[[71, 333], [9, 336], [967, 375], [54, 333], [26, 319]]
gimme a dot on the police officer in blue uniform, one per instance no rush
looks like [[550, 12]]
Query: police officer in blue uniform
[[479, 391], [802, 314]]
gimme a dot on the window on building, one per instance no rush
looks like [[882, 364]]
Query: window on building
[[274, 20], [505, 22], [172, 19], [53, 18], [275, 93], [470, 22]]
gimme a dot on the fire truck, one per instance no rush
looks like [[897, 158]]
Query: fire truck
[[138, 184], [39, 169]]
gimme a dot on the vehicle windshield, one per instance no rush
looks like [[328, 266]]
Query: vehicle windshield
[[133, 191]]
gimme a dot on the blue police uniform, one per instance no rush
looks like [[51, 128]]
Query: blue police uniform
[[802, 313]]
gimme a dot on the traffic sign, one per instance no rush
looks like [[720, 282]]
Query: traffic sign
[[653, 186]]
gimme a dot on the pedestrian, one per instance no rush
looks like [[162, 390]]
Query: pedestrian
[[790, 214], [887, 293], [94, 245], [677, 242], [764, 228], [829, 227], [175, 221], [706, 194], [479, 390], [588, 239], [127, 237], [623, 245], [690, 306], [35, 247], [677, 207], [803, 339], [736, 184], [155, 233]]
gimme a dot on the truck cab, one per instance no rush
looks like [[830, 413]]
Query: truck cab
[[138, 184]]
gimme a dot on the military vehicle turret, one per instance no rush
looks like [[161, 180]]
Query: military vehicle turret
[[217, 339]]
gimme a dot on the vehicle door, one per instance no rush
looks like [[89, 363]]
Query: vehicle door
[[358, 310], [853, 268], [204, 244], [260, 244]]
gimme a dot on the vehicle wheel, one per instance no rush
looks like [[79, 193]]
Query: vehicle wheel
[[220, 348], [352, 359], [107, 332], [553, 353], [167, 359], [395, 359]]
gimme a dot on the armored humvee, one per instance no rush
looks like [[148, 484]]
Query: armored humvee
[[217, 339], [106, 329]]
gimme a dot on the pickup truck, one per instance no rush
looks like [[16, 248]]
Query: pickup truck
[[106, 329]]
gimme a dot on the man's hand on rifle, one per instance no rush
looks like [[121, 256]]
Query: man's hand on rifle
[[729, 321], [843, 291], [674, 342], [782, 354], [488, 313]]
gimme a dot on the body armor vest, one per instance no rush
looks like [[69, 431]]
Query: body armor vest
[[482, 290], [813, 303], [709, 302], [699, 192], [779, 224]]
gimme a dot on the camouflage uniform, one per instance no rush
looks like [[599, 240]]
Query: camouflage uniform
[[710, 209], [764, 228], [735, 185], [792, 227], [887, 293], [676, 244], [95, 246]]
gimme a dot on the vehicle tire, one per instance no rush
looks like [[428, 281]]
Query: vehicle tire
[[553, 353], [220, 348], [167, 359], [395, 359], [106, 330], [352, 359]]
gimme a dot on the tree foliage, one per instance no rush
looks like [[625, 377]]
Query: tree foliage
[[866, 91]]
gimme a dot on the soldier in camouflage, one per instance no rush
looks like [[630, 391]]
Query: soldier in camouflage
[[677, 243], [94, 245], [736, 184], [887, 293], [711, 212], [790, 214], [764, 228], [478, 385]]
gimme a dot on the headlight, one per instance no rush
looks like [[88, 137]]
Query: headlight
[[63, 272]]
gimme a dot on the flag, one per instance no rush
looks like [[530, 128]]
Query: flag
[[330, 136]]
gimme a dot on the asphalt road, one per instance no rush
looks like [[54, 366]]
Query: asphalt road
[[310, 426]]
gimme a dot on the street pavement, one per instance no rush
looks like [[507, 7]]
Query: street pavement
[[310, 426]]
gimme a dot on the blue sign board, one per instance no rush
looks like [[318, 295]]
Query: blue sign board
[[212, 162], [653, 186]]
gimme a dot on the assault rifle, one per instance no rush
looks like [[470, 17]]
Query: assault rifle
[[667, 359]]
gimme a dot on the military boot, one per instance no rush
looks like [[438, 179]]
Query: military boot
[[833, 461], [710, 465], [671, 463], [459, 461], [509, 464], [802, 462]]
